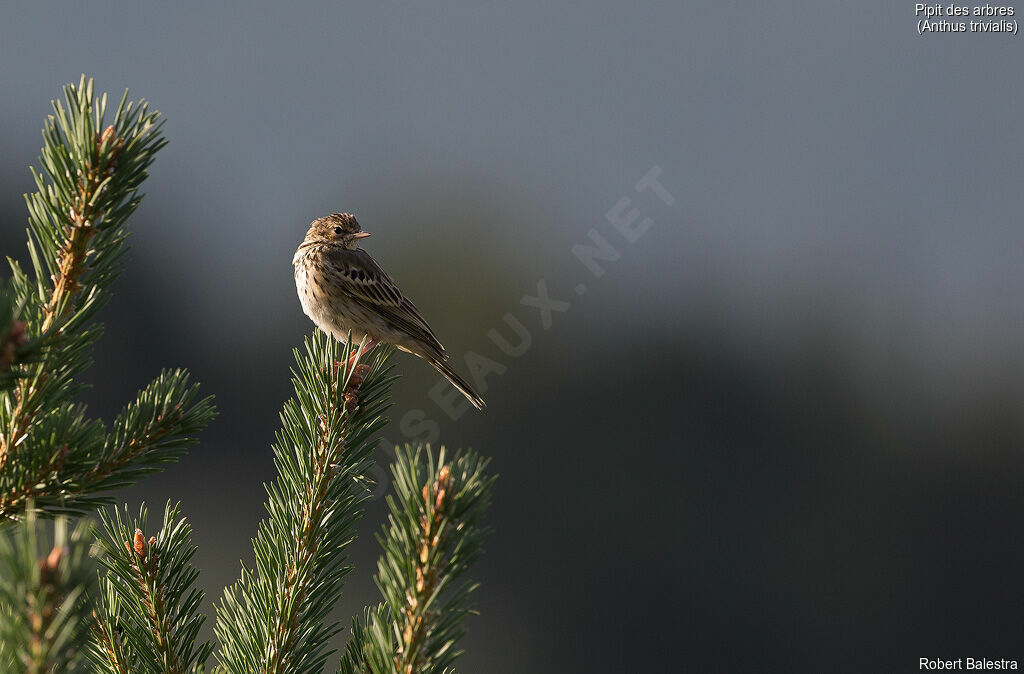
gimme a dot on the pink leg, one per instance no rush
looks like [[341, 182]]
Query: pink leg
[[360, 353], [355, 379]]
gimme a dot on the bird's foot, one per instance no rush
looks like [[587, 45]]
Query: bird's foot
[[358, 373], [359, 353]]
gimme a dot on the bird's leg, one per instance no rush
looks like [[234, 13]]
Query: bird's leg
[[362, 368], [355, 380], [359, 353]]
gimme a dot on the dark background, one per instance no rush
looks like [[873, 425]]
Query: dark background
[[782, 432]]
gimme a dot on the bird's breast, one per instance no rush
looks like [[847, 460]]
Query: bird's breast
[[305, 283]]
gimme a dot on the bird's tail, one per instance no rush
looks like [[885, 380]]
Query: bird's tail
[[457, 381]]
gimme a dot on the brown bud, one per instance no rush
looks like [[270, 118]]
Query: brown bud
[[45, 573], [48, 566], [107, 134], [140, 543], [108, 138], [53, 559]]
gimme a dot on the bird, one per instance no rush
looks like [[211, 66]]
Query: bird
[[346, 293]]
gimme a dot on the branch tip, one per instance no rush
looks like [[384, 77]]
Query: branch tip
[[140, 543]]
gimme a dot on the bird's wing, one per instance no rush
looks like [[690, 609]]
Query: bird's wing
[[362, 279]]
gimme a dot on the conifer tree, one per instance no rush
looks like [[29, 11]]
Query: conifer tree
[[133, 603], [148, 616], [275, 618], [87, 188], [44, 598], [432, 537]]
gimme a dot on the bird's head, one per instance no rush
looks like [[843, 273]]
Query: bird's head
[[337, 228]]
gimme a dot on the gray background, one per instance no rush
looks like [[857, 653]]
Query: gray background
[[782, 432]]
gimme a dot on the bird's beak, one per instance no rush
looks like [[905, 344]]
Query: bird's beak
[[360, 235]]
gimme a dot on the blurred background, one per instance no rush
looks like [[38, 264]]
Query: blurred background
[[782, 432]]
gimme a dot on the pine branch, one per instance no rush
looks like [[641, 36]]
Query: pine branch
[[358, 657], [149, 618], [433, 536], [49, 450], [44, 599], [157, 427], [92, 189], [74, 463], [54, 458], [109, 652], [274, 619]]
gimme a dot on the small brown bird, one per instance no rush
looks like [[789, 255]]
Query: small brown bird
[[344, 290]]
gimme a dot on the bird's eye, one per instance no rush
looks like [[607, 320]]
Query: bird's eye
[[337, 230]]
